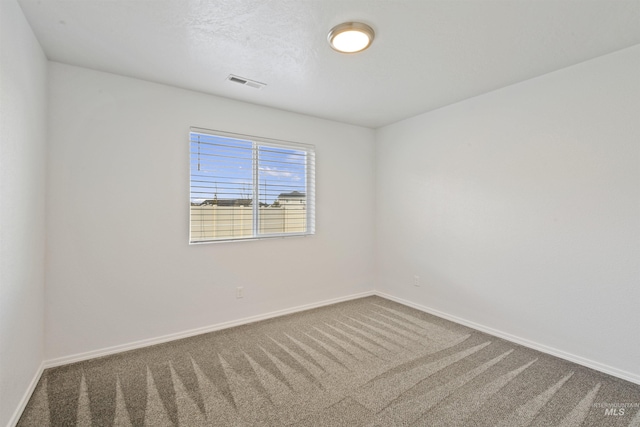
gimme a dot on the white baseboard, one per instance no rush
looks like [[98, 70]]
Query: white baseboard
[[25, 398], [628, 376], [65, 360]]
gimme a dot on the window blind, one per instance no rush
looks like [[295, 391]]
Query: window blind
[[244, 187]]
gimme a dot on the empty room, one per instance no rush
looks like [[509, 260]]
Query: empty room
[[319, 213]]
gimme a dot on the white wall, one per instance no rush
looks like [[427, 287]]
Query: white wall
[[119, 265], [23, 93], [520, 210]]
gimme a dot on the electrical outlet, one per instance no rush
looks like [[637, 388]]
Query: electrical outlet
[[239, 292], [416, 281]]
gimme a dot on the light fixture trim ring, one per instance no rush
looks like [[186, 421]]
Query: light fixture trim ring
[[351, 26]]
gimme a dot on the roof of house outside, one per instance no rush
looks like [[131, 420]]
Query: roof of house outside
[[292, 194]]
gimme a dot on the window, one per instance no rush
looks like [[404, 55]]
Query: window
[[244, 187]]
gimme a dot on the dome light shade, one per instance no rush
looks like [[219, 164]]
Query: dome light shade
[[351, 37]]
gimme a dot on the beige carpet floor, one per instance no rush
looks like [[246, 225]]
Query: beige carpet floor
[[367, 362]]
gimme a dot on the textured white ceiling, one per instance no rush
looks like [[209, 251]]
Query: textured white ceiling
[[426, 54]]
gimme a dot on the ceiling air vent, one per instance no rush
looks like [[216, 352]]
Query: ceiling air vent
[[243, 81]]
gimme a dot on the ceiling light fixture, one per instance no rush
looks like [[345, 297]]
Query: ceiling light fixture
[[351, 37]]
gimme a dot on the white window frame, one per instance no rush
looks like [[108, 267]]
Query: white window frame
[[259, 141]]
